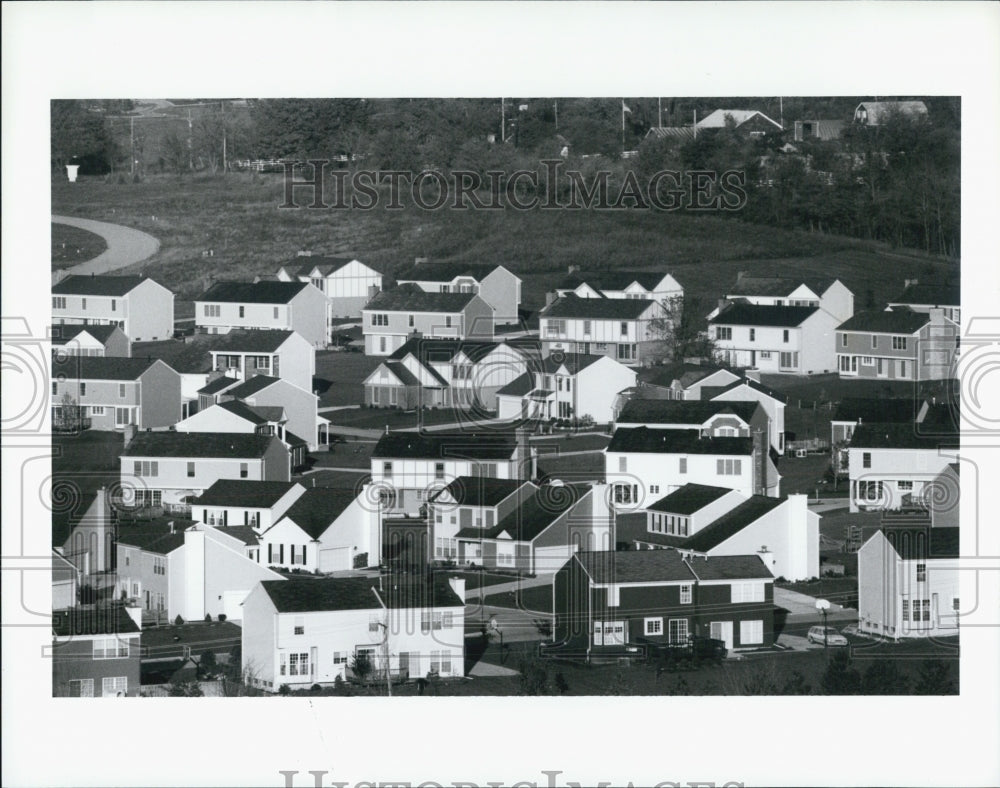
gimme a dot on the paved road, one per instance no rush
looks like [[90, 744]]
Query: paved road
[[125, 247]]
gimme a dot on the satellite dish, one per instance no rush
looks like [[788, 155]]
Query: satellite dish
[[822, 604]]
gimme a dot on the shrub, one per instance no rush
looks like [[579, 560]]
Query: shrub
[[208, 618], [315, 688], [178, 621], [222, 616], [284, 689], [208, 662]]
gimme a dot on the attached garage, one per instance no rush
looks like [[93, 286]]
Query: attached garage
[[335, 559]]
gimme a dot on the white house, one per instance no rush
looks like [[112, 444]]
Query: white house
[[289, 306], [394, 316], [649, 285], [830, 295], [875, 113], [256, 504], [923, 297], [300, 405], [325, 530], [497, 286], [312, 631], [750, 121], [278, 353], [566, 386], [347, 283], [139, 306], [235, 416], [749, 390], [76, 339]]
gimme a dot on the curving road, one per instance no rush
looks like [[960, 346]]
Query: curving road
[[125, 247]]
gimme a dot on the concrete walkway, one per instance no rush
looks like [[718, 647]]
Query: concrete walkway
[[125, 247]]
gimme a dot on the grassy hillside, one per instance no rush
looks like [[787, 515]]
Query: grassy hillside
[[238, 217]]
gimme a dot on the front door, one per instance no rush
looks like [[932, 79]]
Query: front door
[[609, 633], [722, 630]]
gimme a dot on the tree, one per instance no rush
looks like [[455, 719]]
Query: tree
[[934, 678], [185, 689], [69, 418], [840, 677], [208, 663], [361, 665], [883, 677], [79, 133]]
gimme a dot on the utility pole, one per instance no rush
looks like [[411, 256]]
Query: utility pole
[[556, 106], [781, 111], [223, 105], [659, 110], [503, 120], [694, 128], [131, 134], [385, 652]]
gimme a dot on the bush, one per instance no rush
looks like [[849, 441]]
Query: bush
[[222, 617], [208, 618], [315, 688], [284, 689], [178, 621], [208, 662]]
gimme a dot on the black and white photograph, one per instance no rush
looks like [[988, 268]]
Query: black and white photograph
[[371, 412]]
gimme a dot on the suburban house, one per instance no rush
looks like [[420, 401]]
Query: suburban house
[[898, 344], [497, 286], [623, 329], [394, 316], [347, 283], [642, 464], [76, 339], [65, 582], [890, 464], [648, 285], [409, 467], [447, 372], [168, 468], [928, 296], [325, 530], [300, 405], [566, 386], [748, 389], [315, 631], [139, 306], [806, 130], [747, 121], [277, 353], [518, 525], [173, 568], [107, 393], [618, 604], [256, 504], [786, 339], [908, 578], [875, 113], [853, 411], [286, 306], [683, 380], [829, 295], [95, 653]]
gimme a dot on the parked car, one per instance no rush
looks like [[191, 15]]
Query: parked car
[[827, 635], [691, 655]]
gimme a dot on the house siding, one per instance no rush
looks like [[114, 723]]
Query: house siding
[[73, 659]]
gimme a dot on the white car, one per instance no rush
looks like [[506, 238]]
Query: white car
[[827, 635]]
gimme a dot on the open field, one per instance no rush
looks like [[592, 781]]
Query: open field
[[71, 246], [238, 218]]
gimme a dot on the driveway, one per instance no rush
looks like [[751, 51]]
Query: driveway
[[125, 247]]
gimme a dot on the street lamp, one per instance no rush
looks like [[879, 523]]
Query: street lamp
[[822, 605], [495, 627]]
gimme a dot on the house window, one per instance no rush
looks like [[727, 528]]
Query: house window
[[447, 321], [243, 311], [686, 595], [747, 592], [96, 410], [123, 416], [81, 688], [626, 494], [728, 467], [874, 341], [298, 664], [339, 657], [445, 661], [299, 626], [683, 461], [753, 334], [439, 470], [879, 369], [213, 310], [622, 464], [788, 360], [870, 491], [906, 609], [55, 389], [866, 459], [59, 302], [867, 361], [275, 313], [902, 369], [373, 623], [654, 488], [190, 470], [723, 332], [623, 329], [904, 486], [555, 327], [83, 389], [751, 633], [925, 606], [899, 343], [379, 319], [387, 470], [586, 328], [653, 626], [381, 344], [626, 352], [678, 630], [114, 686], [609, 633], [765, 354], [83, 303], [146, 468], [921, 573], [435, 662], [244, 470], [110, 648], [843, 340], [121, 391], [784, 335]]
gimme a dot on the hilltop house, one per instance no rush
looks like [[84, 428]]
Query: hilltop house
[[926, 297], [281, 354], [139, 306], [255, 504], [647, 285], [818, 130], [95, 653], [76, 339], [897, 344], [616, 604], [109, 393], [347, 283], [288, 306], [875, 113], [166, 468], [313, 631], [627, 330], [497, 286], [566, 386], [394, 316]]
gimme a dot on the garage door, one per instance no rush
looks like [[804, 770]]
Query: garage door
[[335, 559], [551, 559]]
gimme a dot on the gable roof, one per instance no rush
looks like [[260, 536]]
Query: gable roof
[[518, 387], [105, 620], [199, 444], [634, 527], [777, 286], [101, 367], [668, 441], [571, 305], [730, 567], [410, 298], [944, 294], [879, 410], [611, 280], [898, 436], [442, 350], [61, 333], [714, 391], [243, 492], [249, 340], [732, 522], [738, 314], [219, 384], [640, 566], [673, 411], [443, 272], [326, 264], [441, 446], [251, 386], [359, 593], [689, 499], [162, 535], [535, 512], [318, 507], [574, 362], [244, 533], [255, 414], [264, 292], [890, 321], [480, 490], [717, 119], [76, 284], [404, 375]]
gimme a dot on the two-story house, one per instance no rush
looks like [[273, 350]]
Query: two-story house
[[394, 316], [287, 306], [408, 467], [277, 353], [787, 339], [876, 113], [649, 285], [853, 411], [497, 286], [313, 631], [830, 295], [447, 372], [76, 339], [918, 297], [748, 389], [616, 604], [347, 283], [751, 122], [566, 386], [625, 329], [300, 405], [325, 530], [898, 344], [114, 393], [166, 468], [139, 306], [95, 653], [256, 504]]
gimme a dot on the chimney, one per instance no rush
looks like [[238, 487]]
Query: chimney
[[522, 454], [723, 303], [767, 557], [171, 526]]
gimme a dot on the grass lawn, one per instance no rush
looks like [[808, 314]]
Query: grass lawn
[[378, 418], [72, 246], [353, 454], [88, 452], [800, 475]]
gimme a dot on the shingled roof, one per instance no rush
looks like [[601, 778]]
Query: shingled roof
[[75, 284], [199, 444], [251, 386], [539, 508], [162, 535], [105, 620], [877, 410], [944, 294], [318, 507], [640, 566], [62, 333], [611, 280], [737, 314], [731, 567], [572, 306], [410, 298], [249, 340], [359, 593], [442, 446], [481, 490], [264, 292], [732, 522], [899, 436], [668, 411], [519, 386], [100, 367], [669, 441], [689, 499], [890, 321], [243, 492], [443, 272], [326, 264], [221, 383]]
